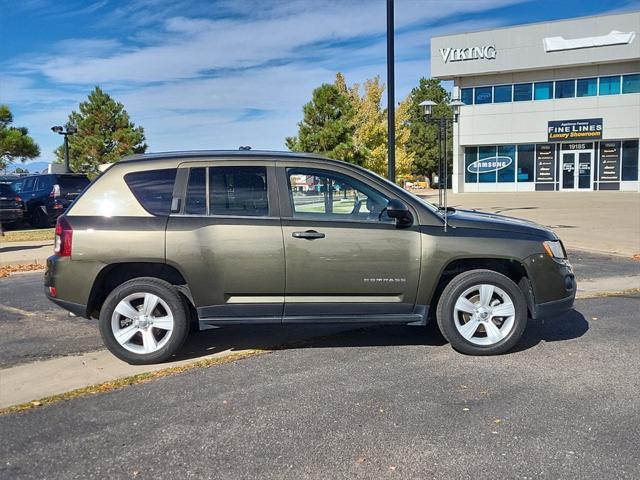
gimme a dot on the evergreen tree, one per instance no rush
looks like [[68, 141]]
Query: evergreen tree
[[104, 134], [15, 142], [327, 124], [423, 138]]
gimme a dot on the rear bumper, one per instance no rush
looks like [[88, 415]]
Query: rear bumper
[[76, 308], [11, 214]]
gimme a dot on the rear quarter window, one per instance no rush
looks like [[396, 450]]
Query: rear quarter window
[[73, 184], [153, 189]]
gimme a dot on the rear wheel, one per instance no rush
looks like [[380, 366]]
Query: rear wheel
[[39, 218], [144, 321], [482, 312]]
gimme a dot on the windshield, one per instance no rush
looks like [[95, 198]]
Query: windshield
[[402, 191]]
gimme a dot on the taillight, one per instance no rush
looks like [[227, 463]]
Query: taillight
[[64, 238], [55, 192], [18, 200]]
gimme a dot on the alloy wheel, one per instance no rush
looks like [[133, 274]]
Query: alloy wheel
[[484, 314], [142, 323]]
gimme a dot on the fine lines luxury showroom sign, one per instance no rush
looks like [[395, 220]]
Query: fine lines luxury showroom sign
[[563, 130]]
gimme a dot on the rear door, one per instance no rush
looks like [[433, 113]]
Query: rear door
[[345, 258], [224, 235]]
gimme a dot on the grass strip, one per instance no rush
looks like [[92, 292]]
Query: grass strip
[[119, 383], [28, 235]]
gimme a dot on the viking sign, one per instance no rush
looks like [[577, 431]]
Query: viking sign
[[491, 164], [469, 53]]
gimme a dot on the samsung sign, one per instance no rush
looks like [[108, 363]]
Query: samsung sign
[[491, 164], [469, 53]]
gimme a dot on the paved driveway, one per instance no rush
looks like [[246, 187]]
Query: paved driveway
[[373, 403]]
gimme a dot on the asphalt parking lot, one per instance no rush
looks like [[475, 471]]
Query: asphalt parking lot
[[371, 403], [33, 328]]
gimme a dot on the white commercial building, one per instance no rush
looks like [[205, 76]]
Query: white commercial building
[[548, 106]]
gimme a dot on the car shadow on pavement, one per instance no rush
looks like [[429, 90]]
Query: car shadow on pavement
[[22, 247], [557, 329], [285, 337]]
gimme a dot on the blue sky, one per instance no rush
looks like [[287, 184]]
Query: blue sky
[[219, 74]]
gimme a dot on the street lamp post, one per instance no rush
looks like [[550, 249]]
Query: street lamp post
[[442, 122], [69, 131]]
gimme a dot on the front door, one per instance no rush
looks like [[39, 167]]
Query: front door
[[576, 170], [345, 258]]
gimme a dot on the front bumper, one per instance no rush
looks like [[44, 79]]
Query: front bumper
[[551, 286]]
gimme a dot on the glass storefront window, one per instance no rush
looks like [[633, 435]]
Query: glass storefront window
[[610, 85], [508, 173], [565, 89], [587, 87], [525, 163], [522, 92], [466, 95], [482, 95], [630, 160], [470, 156], [486, 152], [631, 83], [502, 93], [543, 90]]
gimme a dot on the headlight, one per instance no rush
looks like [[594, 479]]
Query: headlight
[[555, 249]]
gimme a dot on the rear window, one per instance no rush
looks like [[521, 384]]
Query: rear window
[[72, 183], [5, 190], [153, 189]]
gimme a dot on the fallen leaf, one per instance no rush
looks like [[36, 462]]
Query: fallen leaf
[[465, 409], [360, 460], [392, 467], [497, 420], [36, 403], [594, 318]]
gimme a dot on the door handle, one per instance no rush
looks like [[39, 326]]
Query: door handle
[[309, 234]]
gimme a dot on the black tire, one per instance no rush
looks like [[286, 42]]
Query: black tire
[[446, 311], [39, 219], [167, 293]]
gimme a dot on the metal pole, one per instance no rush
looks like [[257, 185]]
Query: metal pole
[[391, 114], [66, 154], [439, 165], [446, 171]]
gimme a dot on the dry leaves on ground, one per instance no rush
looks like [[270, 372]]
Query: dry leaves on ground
[[6, 270]]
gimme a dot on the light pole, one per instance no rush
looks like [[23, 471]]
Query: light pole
[[391, 94], [442, 122], [69, 131]]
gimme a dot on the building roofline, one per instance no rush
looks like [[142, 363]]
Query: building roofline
[[520, 25]]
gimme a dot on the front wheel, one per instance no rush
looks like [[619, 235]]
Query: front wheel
[[482, 312], [144, 321]]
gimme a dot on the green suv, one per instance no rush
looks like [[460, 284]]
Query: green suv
[[163, 241]]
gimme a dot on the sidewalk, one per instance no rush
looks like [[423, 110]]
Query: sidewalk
[[18, 253]]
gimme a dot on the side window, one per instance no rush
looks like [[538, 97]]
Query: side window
[[323, 195], [43, 183], [196, 201], [28, 184], [238, 191], [17, 186], [153, 189]]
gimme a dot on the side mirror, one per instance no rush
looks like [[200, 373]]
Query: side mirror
[[400, 212]]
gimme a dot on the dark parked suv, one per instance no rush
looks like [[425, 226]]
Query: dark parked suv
[[47, 196], [228, 238], [11, 206]]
